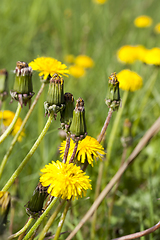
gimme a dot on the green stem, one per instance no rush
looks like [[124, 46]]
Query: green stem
[[115, 126], [10, 127], [61, 222], [29, 155], [4, 161], [22, 230], [50, 221], [40, 219]]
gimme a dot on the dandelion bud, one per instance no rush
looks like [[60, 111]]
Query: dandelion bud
[[126, 139], [3, 85], [67, 113], [22, 89], [55, 97], [34, 207], [78, 125], [5, 202], [113, 100]]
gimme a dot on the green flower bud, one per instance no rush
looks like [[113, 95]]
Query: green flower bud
[[55, 96], [3, 85], [113, 100], [34, 207], [5, 202], [67, 112], [78, 125], [22, 89], [127, 139]]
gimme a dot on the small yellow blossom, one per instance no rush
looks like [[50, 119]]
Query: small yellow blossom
[[6, 117], [100, 1], [88, 149], [69, 58], [84, 61], [143, 21], [152, 56], [65, 180], [48, 65], [157, 28], [129, 80], [129, 54], [77, 71]]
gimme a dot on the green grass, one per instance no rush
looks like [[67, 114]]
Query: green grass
[[33, 28]]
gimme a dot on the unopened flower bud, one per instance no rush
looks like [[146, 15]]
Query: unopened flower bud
[[34, 207], [127, 139], [22, 89], [5, 202], [113, 99], [67, 112], [78, 125], [55, 96], [3, 85]]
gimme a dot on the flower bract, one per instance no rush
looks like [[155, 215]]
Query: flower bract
[[88, 149], [6, 118], [48, 65], [65, 180], [143, 21], [129, 80]]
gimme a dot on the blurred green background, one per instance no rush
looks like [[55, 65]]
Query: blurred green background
[[55, 28]]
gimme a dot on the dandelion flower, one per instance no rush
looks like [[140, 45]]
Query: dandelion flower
[[47, 65], [143, 21], [152, 56], [6, 117], [77, 71], [88, 149], [84, 61], [127, 54], [157, 28], [100, 1], [65, 180], [129, 80]]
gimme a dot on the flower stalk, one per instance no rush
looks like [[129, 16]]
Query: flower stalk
[[50, 221], [40, 219], [9, 129], [4, 161], [29, 155], [62, 219]]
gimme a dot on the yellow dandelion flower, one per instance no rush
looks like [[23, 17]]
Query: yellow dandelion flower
[[48, 65], [84, 61], [157, 28], [141, 52], [6, 117], [129, 80], [77, 71], [143, 21], [127, 54], [88, 149], [100, 1], [152, 56], [69, 58], [65, 180]]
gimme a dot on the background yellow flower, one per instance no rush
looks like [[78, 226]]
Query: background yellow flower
[[77, 71], [6, 117], [143, 21], [129, 80]]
